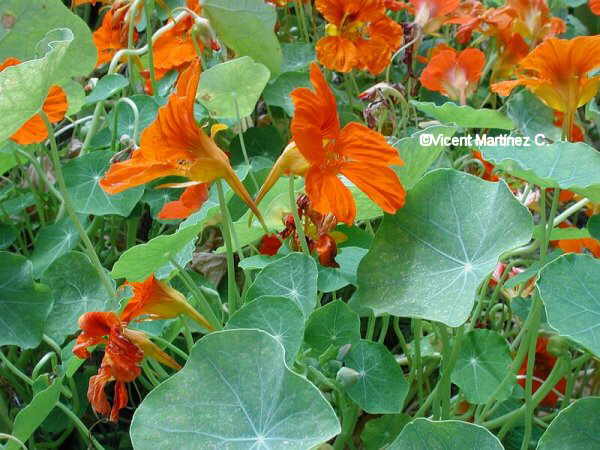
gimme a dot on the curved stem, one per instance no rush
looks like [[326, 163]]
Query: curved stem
[[88, 246]]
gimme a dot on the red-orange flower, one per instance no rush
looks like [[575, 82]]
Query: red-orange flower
[[576, 134], [454, 74], [557, 71], [322, 151], [111, 36], [191, 200], [544, 362], [153, 299], [488, 173], [55, 107], [577, 245], [175, 145], [359, 35], [125, 350], [595, 6]]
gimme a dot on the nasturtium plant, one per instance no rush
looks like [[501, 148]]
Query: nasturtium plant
[[307, 225]]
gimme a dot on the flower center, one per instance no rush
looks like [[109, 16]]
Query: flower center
[[348, 29]]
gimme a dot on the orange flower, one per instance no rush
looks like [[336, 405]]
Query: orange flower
[[576, 134], [155, 299], [191, 200], [557, 71], [175, 145], [321, 152], [577, 245], [125, 350], [55, 107], [430, 15], [511, 52], [112, 34], [454, 74], [531, 19], [359, 35], [595, 6], [544, 362]]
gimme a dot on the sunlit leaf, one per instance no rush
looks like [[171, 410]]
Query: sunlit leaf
[[244, 396]]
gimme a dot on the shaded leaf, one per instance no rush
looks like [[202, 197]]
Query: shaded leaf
[[465, 116], [24, 305]]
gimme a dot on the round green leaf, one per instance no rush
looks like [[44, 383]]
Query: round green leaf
[[278, 316], [532, 116], [106, 87], [293, 276], [333, 324], [381, 388], [25, 86], [568, 165], [24, 305], [247, 27], [51, 243], [575, 428], [381, 431], [424, 434], [297, 56], [76, 289], [234, 392], [8, 235], [25, 23], [240, 80], [465, 116], [139, 262], [428, 259], [82, 176], [570, 289], [483, 362], [418, 158]]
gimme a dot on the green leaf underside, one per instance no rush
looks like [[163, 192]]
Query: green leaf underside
[[570, 289], [25, 86], [465, 116], [440, 247], [424, 434], [249, 399], [568, 165]]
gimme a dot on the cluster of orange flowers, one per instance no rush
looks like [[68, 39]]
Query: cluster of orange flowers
[[359, 35], [125, 348]]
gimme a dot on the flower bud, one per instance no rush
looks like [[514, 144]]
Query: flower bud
[[347, 376]]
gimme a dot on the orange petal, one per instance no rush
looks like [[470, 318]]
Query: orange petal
[[359, 143], [435, 73], [34, 130], [595, 6], [175, 48], [337, 53], [119, 401], [504, 88], [472, 60], [328, 194], [380, 184], [191, 200]]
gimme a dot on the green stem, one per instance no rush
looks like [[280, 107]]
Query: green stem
[[196, 292], [297, 222], [149, 33], [88, 246], [570, 211], [243, 144], [232, 291], [10, 437], [349, 417], [385, 323], [80, 426], [418, 369]]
